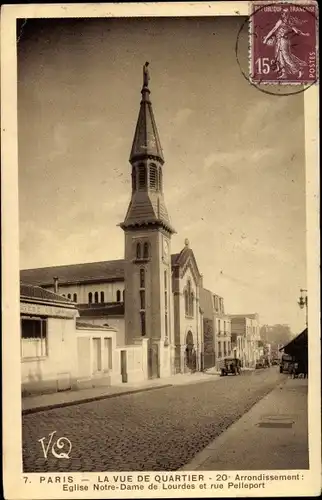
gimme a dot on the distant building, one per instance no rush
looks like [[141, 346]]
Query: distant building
[[217, 328], [245, 336]]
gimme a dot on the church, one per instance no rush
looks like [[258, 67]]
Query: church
[[151, 297]]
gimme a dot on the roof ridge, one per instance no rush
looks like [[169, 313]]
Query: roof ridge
[[70, 265]]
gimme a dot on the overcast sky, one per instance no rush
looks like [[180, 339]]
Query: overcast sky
[[234, 174]]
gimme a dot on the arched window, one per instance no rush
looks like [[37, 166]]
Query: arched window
[[118, 295], [96, 297], [189, 300], [138, 250], [142, 302], [142, 176], [102, 297], [90, 297], [192, 303], [133, 179], [153, 176], [186, 302], [146, 250], [69, 296], [142, 278], [75, 297]]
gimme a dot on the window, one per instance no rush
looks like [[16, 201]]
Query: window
[[142, 176], [90, 297], [33, 337], [142, 299], [189, 300], [123, 295], [219, 350], [97, 355], [142, 317], [186, 302], [75, 297], [224, 326], [102, 297], [138, 250], [69, 296], [118, 295], [153, 176], [64, 295], [142, 302], [160, 179], [133, 179], [146, 250], [142, 278], [96, 297]]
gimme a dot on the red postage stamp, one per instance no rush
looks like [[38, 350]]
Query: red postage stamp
[[283, 43]]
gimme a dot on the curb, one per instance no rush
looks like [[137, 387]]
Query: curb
[[207, 452], [38, 409]]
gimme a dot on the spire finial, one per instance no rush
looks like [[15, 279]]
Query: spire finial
[[146, 75], [186, 243]]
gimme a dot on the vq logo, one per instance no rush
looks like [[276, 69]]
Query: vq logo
[[59, 443]]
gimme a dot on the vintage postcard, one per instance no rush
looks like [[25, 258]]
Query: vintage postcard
[[160, 255]]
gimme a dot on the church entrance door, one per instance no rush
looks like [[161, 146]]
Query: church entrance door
[[153, 360], [190, 361]]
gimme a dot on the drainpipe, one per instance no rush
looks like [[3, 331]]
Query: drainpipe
[[56, 284]]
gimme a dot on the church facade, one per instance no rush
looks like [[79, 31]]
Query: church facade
[[151, 295]]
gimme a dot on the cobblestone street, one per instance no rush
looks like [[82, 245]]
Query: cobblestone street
[[158, 430]]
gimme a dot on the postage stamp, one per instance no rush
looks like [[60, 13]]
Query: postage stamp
[[283, 43], [160, 239]]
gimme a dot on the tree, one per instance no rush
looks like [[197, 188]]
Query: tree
[[276, 334]]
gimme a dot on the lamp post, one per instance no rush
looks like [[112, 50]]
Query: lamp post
[[302, 302]]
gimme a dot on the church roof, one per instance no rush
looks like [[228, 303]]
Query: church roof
[[106, 310], [112, 270], [147, 208], [146, 140], [90, 272], [28, 291]]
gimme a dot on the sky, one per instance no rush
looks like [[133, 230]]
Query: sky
[[234, 173]]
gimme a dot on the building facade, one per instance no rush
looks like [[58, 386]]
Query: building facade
[[245, 332], [60, 353], [217, 329]]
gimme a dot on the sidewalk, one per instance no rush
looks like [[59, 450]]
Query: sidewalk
[[33, 404], [272, 435]]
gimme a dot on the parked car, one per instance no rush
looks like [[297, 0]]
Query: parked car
[[230, 366], [286, 365]]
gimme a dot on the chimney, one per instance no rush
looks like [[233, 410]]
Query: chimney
[[56, 284]]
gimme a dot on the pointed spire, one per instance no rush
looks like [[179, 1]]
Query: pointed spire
[[146, 142]]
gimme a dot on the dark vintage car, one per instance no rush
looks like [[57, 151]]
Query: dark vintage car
[[230, 366], [286, 365]]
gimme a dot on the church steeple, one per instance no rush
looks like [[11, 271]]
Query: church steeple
[[147, 206], [146, 142]]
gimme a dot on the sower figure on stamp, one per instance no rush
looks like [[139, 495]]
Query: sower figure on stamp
[[281, 35]]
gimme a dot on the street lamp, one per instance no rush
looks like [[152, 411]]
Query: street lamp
[[302, 302]]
